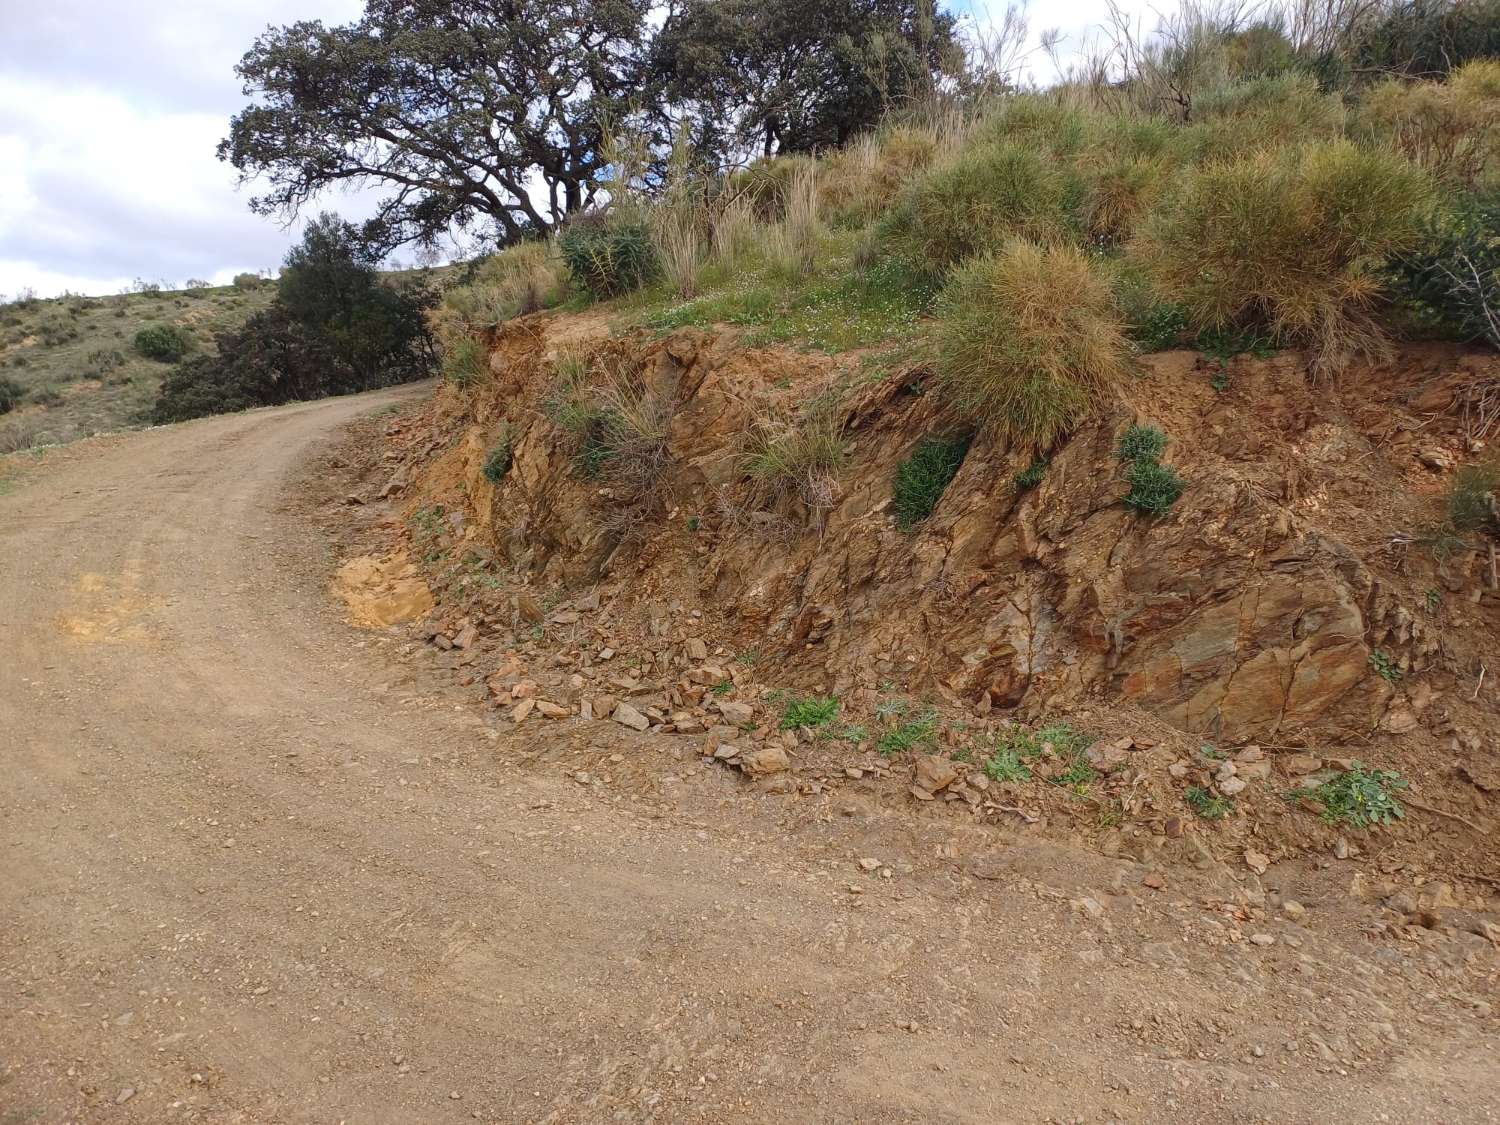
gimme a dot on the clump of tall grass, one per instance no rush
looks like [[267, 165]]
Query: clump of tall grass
[[859, 181], [520, 279], [792, 244], [973, 203], [1291, 242], [1028, 340], [799, 454], [1451, 128]]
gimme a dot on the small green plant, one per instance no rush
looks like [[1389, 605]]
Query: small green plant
[[498, 463], [813, 711], [1154, 487], [165, 343], [923, 477], [722, 688], [1385, 667], [1141, 443], [1006, 764], [907, 733], [1031, 476], [1433, 599], [1208, 805], [1361, 797], [1158, 327], [694, 523]]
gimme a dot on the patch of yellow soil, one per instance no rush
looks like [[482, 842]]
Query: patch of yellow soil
[[380, 591]]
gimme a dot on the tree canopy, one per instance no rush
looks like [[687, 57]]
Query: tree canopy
[[495, 113]]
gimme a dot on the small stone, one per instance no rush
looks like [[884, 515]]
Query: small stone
[[767, 760], [735, 714], [551, 710], [526, 689], [1293, 909], [1089, 906], [1155, 881], [628, 716], [1298, 764], [1257, 862], [696, 649], [522, 710], [1341, 848], [1178, 770], [125, 1095], [1262, 939], [933, 773], [529, 608], [869, 864], [1173, 827], [1230, 786], [606, 654], [466, 636]]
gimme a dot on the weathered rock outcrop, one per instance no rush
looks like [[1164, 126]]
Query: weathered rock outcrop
[[1250, 612]]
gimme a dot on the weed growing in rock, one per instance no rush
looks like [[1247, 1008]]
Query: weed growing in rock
[[813, 711], [497, 464], [1141, 443], [1154, 488], [1361, 797], [1208, 805], [1031, 476], [923, 477], [800, 455], [1385, 667], [1158, 327]]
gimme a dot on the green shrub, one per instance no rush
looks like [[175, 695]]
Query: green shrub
[[1154, 487], [1028, 339], [1141, 443], [1264, 113], [249, 281], [923, 477], [606, 256], [1452, 279], [1291, 242], [465, 361], [163, 342], [12, 394], [498, 463], [974, 203]]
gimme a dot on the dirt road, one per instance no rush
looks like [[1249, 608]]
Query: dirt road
[[247, 876]]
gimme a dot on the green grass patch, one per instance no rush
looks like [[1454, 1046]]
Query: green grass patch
[[923, 477], [1141, 443], [1154, 488], [812, 711]]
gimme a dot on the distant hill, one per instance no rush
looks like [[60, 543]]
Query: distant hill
[[76, 361]]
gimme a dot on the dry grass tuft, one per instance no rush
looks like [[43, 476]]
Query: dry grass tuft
[[1292, 243], [1028, 340]]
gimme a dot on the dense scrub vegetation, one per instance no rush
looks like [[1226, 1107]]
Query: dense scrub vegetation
[[335, 327], [1240, 181]]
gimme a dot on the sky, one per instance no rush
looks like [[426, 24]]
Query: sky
[[109, 114]]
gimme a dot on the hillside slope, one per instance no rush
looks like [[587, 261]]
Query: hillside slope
[[1284, 614]]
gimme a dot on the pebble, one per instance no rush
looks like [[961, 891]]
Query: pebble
[[1293, 909], [125, 1095], [1262, 939]]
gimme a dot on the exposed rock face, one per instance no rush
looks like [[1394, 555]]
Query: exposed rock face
[[1241, 615]]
